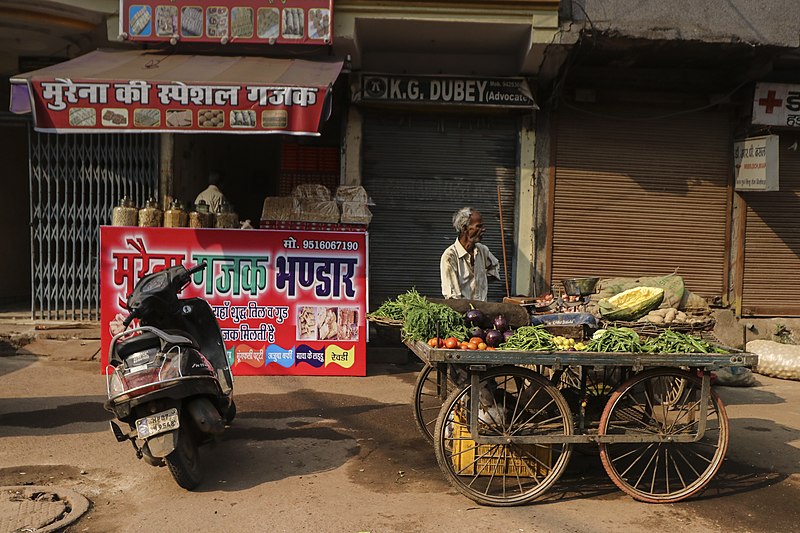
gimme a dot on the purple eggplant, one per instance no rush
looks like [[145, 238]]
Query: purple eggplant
[[500, 323], [494, 338], [474, 317], [507, 334], [477, 332]]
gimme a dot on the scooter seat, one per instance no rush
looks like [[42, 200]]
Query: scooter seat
[[138, 343]]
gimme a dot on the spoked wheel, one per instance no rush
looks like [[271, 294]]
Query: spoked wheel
[[428, 399], [651, 404], [593, 395], [515, 402]]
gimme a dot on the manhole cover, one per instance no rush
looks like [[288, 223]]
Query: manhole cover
[[38, 508]]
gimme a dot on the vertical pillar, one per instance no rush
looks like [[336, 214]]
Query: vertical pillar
[[526, 195], [166, 182], [351, 148]]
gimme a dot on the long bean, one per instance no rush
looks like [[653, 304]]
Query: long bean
[[531, 338]]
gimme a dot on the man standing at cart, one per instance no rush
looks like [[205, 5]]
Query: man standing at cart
[[467, 263]]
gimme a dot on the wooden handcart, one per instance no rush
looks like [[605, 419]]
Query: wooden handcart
[[504, 423]]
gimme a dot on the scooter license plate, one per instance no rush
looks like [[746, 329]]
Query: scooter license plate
[[157, 423]]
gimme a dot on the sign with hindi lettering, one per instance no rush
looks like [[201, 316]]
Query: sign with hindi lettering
[[227, 21], [72, 105], [288, 302], [755, 161]]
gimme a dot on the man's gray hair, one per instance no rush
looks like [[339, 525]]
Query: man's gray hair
[[461, 218]]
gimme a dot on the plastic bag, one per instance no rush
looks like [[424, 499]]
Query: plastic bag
[[356, 213], [775, 359], [316, 211], [278, 208], [312, 191], [351, 193], [735, 376]]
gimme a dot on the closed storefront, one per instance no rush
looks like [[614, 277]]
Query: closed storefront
[[772, 242], [419, 169], [637, 197]]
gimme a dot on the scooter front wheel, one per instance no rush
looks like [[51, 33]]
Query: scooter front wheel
[[184, 461]]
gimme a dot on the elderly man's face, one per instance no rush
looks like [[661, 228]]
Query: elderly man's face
[[475, 229]]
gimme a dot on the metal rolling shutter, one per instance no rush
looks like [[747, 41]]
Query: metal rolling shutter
[[772, 243], [637, 197], [419, 169]]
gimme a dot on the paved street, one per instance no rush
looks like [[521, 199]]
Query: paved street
[[343, 454]]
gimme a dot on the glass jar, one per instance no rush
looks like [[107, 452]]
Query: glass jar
[[201, 217], [125, 214], [176, 216], [151, 216], [226, 218]]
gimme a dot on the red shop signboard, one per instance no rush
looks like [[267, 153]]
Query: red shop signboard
[[66, 105], [288, 302], [228, 21]]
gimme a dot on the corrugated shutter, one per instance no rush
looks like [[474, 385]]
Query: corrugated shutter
[[772, 242], [419, 169], [637, 197]]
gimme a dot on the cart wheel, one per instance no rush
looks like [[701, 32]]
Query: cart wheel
[[428, 400], [649, 403], [515, 402]]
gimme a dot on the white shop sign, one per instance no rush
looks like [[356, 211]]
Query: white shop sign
[[755, 162], [777, 104]]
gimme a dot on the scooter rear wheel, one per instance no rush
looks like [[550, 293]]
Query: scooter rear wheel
[[184, 461]]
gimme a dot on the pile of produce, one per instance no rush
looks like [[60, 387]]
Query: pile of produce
[[531, 338], [670, 315], [676, 342], [421, 318], [628, 341], [615, 340]]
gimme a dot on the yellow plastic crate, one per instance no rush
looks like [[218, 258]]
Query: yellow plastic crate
[[488, 456]]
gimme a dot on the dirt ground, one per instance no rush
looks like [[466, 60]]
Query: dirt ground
[[343, 454]]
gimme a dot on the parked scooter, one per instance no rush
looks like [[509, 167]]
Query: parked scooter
[[171, 382]]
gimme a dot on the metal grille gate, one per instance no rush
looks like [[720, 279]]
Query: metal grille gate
[[75, 182]]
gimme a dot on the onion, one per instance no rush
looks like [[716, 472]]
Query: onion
[[493, 338], [477, 332], [500, 323], [474, 317]]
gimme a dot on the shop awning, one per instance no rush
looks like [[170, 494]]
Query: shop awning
[[145, 91]]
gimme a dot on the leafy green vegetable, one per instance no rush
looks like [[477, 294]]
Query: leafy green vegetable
[[423, 319]]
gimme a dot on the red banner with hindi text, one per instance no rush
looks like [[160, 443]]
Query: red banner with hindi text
[[288, 302]]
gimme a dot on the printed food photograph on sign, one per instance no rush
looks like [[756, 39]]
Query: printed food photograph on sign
[[139, 18], [306, 323], [147, 118], [243, 119], [269, 22], [348, 324], [82, 116], [192, 21], [179, 118], [217, 22], [210, 118], [327, 323], [293, 26], [115, 117], [319, 23], [166, 21], [277, 119], [242, 22]]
